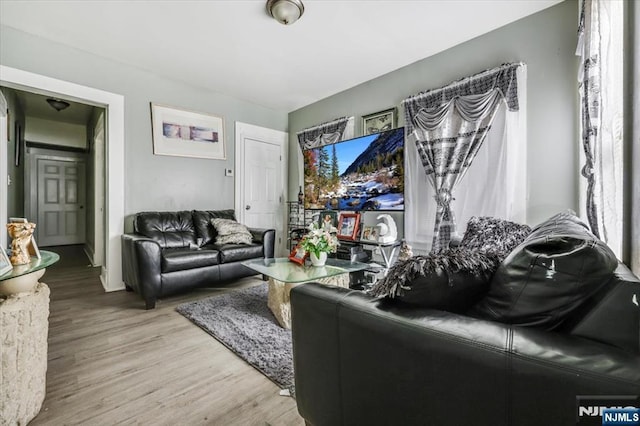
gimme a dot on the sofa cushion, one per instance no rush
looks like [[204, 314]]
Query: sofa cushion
[[179, 259], [451, 280], [558, 266], [169, 229], [237, 252], [205, 232], [231, 232], [494, 235]]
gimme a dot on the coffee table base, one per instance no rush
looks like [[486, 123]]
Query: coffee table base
[[280, 303]]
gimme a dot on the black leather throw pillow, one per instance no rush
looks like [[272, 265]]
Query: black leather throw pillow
[[451, 280], [558, 266]]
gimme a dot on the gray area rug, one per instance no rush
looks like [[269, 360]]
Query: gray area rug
[[242, 322]]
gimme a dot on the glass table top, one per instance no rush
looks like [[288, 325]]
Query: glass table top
[[48, 258], [282, 269]]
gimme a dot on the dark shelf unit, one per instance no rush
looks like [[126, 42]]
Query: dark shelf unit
[[297, 221]]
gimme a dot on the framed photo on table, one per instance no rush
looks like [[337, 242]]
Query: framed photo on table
[[327, 220], [187, 133], [348, 226], [370, 233], [298, 255], [5, 264]]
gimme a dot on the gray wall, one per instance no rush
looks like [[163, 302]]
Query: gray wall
[[546, 42], [15, 193], [153, 182]]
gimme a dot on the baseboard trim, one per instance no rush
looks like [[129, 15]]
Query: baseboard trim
[[89, 253], [104, 280]]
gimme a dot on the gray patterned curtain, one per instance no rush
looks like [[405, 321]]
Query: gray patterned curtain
[[449, 126], [590, 99], [326, 133], [600, 47]]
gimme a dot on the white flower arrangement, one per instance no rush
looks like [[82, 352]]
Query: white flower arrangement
[[319, 240]]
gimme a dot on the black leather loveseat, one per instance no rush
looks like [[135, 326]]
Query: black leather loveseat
[[359, 360], [171, 252]]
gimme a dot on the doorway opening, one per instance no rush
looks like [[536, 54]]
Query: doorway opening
[[112, 106]]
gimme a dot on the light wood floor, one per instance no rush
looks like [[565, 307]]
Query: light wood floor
[[111, 362]]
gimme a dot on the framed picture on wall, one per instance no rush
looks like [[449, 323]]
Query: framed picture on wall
[[186, 133], [379, 121]]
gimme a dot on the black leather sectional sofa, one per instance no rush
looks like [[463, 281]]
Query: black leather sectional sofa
[[172, 252], [359, 360]]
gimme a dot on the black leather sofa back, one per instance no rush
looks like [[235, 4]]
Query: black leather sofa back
[[612, 315], [358, 360], [169, 229]]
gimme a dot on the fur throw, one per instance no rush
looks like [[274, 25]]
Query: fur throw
[[493, 235]]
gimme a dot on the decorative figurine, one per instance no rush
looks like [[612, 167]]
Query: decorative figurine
[[405, 252], [388, 231], [21, 237]]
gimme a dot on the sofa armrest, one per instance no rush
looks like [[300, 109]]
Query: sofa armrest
[[141, 266], [358, 360], [267, 237]]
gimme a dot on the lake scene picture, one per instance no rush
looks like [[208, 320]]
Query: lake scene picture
[[365, 173]]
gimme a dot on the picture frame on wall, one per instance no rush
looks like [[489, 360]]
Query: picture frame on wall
[[379, 121], [185, 133], [348, 226], [5, 264]]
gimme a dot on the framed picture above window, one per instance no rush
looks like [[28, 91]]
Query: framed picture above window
[[186, 133], [379, 121], [348, 226]]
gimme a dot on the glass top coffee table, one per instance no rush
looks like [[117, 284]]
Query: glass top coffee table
[[284, 275]]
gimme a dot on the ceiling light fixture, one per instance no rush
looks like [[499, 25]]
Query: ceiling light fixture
[[285, 11], [58, 104]]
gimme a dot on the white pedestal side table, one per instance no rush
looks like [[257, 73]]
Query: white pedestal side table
[[24, 328]]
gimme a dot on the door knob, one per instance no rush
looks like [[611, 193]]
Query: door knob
[[82, 207], [248, 207]]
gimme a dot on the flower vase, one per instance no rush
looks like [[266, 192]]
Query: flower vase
[[318, 261]]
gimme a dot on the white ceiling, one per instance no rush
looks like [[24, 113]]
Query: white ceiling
[[234, 47]]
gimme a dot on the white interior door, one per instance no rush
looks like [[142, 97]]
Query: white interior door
[[260, 184], [262, 192], [61, 198]]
